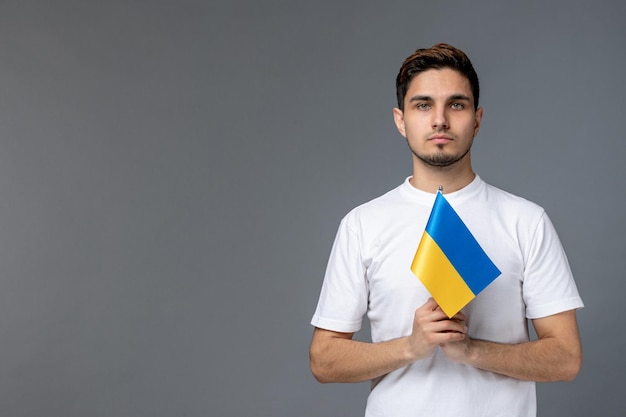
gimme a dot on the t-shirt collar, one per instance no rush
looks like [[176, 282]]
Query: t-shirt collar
[[458, 196]]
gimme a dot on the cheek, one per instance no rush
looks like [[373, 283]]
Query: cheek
[[417, 127], [471, 126]]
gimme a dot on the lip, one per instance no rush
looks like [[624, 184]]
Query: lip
[[440, 139]]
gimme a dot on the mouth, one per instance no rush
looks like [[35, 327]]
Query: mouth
[[440, 139]]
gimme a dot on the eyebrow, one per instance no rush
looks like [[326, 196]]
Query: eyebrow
[[429, 98]]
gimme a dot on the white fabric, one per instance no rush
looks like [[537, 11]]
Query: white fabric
[[369, 273]]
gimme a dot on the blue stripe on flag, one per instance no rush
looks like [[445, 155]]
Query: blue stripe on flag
[[460, 247]]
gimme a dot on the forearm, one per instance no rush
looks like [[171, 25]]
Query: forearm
[[555, 356], [543, 360], [335, 357], [345, 360]]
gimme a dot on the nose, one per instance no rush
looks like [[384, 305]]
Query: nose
[[440, 119]]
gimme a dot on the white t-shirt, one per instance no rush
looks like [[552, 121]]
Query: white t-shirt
[[369, 273]]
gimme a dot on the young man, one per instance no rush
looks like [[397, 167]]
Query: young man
[[422, 363]]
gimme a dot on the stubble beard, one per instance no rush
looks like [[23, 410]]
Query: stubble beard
[[440, 159]]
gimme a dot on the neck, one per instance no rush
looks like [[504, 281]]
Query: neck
[[452, 178]]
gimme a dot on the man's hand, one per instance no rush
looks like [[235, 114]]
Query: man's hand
[[458, 351], [432, 327]]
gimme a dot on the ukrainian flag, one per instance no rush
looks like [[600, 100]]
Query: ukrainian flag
[[449, 261]]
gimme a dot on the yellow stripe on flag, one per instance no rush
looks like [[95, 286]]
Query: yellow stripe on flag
[[440, 278]]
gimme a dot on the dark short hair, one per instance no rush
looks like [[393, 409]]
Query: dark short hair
[[439, 56]]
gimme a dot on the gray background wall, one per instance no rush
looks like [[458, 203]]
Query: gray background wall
[[172, 174]]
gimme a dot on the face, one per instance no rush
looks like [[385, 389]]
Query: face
[[439, 121]]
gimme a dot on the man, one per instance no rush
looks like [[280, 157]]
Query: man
[[422, 363]]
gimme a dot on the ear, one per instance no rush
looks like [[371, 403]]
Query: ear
[[398, 118], [478, 121]]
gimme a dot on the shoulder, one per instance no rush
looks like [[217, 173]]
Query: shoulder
[[379, 209], [510, 203]]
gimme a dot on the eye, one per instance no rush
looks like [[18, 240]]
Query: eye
[[422, 106], [457, 106]]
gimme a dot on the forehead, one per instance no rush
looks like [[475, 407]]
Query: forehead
[[437, 83]]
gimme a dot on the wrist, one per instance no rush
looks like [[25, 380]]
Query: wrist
[[408, 350], [412, 351], [472, 352]]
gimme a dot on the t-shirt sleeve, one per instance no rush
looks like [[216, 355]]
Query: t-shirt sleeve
[[343, 298], [549, 286]]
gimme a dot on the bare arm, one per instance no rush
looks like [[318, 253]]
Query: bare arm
[[335, 357], [555, 356]]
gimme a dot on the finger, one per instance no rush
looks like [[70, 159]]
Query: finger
[[450, 326], [430, 304], [460, 316], [437, 314], [445, 337]]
